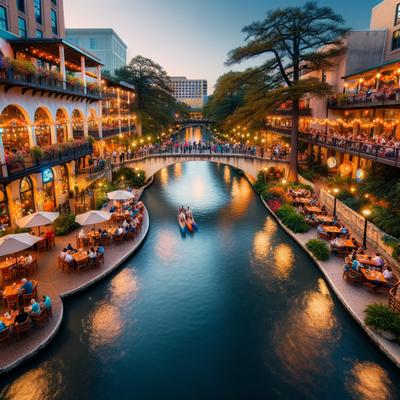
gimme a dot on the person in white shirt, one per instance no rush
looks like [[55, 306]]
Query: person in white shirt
[[378, 260], [68, 258], [125, 224], [92, 254], [82, 234], [120, 231], [28, 259], [388, 274], [63, 253]]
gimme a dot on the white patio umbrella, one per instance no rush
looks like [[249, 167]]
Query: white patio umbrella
[[14, 243], [120, 195], [93, 217], [37, 219]]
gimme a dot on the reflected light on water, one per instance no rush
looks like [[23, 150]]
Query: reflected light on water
[[284, 261], [178, 170], [227, 175], [166, 245], [304, 339], [242, 194], [369, 381], [124, 288], [105, 326], [164, 176], [40, 383]]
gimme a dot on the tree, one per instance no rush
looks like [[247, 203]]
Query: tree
[[295, 40], [154, 105]]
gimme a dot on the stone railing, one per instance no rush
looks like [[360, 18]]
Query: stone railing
[[356, 222]]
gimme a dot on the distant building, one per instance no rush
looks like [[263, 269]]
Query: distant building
[[105, 44], [192, 92], [32, 18]]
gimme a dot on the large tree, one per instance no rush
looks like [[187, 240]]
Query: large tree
[[154, 105], [293, 39]]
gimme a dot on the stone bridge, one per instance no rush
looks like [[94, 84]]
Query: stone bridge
[[249, 164]]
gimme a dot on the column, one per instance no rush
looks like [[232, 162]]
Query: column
[[99, 75], [62, 65], [2, 156], [32, 136], [119, 111], [70, 132], [53, 134], [85, 127], [83, 73]]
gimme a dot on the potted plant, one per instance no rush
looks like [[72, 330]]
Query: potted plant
[[23, 67], [383, 320], [37, 153]]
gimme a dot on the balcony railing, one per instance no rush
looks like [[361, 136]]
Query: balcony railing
[[33, 81], [384, 154], [109, 132], [288, 111], [56, 154], [378, 99]]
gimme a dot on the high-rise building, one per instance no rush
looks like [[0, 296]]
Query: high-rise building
[[32, 18], [105, 44], [192, 92]]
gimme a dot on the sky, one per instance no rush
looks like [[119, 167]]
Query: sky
[[191, 37]]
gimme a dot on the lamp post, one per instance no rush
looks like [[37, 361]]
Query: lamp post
[[265, 174], [335, 193], [366, 214]]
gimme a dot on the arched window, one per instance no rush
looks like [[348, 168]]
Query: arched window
[[42, 128], [15, 131], [61, 126], [49, 199], [26, 196], [4, 213], [77, 124]]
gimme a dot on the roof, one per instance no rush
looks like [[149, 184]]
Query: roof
[[72, 53], [379, 66], [121, 84]]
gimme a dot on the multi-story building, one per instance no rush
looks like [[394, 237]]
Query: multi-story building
[[361, 123], [105, 44], [192, 92], [32, 18]]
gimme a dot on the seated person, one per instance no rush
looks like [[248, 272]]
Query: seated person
[[388, 273], [104, 233], [125, 224], [35, 307], [70, 248], [27, 286], [379, 261], [22, 316], [92, 254], [356, 266], [344, 231], [68, 258], [82, 234], [112, 209], [63, 253], [2, 326], [321, 229], [46, 302], [100, 250], [119, 231], [28, 260]]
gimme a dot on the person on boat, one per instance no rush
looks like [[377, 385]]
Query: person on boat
[[189, 213]]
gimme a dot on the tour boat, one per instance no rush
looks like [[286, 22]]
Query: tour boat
[[182, 226]]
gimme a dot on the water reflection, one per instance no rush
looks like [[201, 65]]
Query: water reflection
[[177, 170], [164, 176], [44, 382], [284, 261], [305, 339], [242, 194], [124, 288], [227, 175], [166, 245], [369, 381]]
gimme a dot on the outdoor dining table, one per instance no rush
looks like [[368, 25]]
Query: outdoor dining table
[[324, 219], [80, 256], [331, 230], [12, 290], [373, 275], [314, 210], [366, 260], [302, 200], [345, 243], [9, 321]]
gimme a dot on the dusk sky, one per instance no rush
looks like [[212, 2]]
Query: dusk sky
[[190, 38]]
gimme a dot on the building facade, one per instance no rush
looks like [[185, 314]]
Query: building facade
[[360, 124], [32, 18], [192, 92], [105, 44]]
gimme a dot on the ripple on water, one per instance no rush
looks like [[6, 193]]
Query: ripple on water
[[305, 339], [43, 382], [369, 381]]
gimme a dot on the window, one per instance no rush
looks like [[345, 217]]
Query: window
[[22, 27], [92, 43], [54, 24], [397, 16], [3, 18], [4, 214], [26, 196], [21, 5], [39, 33], [323, 76], [396, 40], [37, 5]]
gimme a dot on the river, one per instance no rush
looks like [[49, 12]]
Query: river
[[236, 311]]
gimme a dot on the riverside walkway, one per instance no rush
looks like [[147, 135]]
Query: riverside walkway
[[59, 285]]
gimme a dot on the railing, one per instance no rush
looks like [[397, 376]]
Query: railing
[[355, 222], [35, 81], [361, 100], [108, 132], [57, 154], [380, 153], [394, 302], [78, 133], [288, 111]]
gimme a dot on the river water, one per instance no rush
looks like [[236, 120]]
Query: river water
[[236, 311]]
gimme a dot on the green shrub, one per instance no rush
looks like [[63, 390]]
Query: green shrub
[[65, 224], [129, 177], [22, 230], [292, 219], [381, 316], [309, 175], [319, 248]]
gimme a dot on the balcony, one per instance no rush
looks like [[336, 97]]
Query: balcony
[[390, 98], [109, 132], [20, 165], [383, 154], [41, 84], [304, 112]]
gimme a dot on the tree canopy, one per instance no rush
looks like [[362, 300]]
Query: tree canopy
[[154, 106], [295, 42]]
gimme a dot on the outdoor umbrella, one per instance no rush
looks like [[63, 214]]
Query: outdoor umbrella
[[120, 195], [37, 219], [93, 217], [12, 244]]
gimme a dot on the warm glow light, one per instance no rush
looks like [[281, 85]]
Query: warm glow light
[[366, 212]]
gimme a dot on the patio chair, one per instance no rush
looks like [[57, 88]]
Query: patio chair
[[95, 262], [65, 266], [41, 318], [353, 276], [11, 301], [8, 274], [118, 238], [24, 328], [323, 235], [100, 257], [5, 335], [26, 299], [41, 246], [81, 264]]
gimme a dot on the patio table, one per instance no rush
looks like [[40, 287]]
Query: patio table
[[363, 259], [372, 275]]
